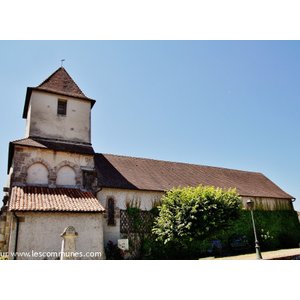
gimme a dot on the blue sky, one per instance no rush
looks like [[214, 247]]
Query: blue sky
[[233, 104]]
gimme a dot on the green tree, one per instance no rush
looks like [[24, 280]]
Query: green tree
[[188, 215]]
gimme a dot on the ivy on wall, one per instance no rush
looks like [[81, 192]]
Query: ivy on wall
[[276, 230]]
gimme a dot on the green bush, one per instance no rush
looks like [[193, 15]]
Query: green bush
[[276, 230], [190, 219], [189, 216]]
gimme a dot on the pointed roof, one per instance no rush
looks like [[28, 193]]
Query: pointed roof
[[59, 82]]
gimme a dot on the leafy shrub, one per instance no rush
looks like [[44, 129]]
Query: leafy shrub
[[275, 229], [188, 217]]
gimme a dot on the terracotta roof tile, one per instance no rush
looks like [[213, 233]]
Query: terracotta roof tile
[[149, 174], [60, 81], [32, 198]]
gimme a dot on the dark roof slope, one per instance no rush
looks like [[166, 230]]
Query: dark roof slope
[[55, 145], [60, 82], [147, 174], [31, 198]]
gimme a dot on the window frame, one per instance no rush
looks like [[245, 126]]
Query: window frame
[[61, 107]]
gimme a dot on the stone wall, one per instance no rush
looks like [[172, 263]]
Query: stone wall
[[41, 233], [53, 162], [5, 221]]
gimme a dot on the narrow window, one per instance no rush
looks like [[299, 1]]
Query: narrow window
[[111, 212], [62, 108]]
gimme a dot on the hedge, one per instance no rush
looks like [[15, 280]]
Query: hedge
[[276, 230]]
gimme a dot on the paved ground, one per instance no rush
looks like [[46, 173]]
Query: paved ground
[[278, 254]]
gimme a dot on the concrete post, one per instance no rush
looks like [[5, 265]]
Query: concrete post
[[68, 247]]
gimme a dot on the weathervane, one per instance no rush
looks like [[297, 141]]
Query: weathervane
[[62, 62]]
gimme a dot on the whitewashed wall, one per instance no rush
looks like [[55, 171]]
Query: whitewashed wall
[[121, 197], [43, 121], [40, 232]]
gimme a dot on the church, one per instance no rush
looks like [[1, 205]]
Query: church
[[56, 179]]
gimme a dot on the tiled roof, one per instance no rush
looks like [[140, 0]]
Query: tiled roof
[[55, 145], [31, 198], [147, 174], [60, 82]]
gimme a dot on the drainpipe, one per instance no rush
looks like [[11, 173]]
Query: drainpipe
[[17, 235]]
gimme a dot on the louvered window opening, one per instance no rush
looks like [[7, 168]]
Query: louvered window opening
[[62, 108]]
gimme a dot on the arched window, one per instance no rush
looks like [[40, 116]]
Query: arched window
[[111, 212], [37, 174], [66, 176]]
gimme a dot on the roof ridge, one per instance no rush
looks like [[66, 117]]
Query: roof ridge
[[49, 76], [183, 163]]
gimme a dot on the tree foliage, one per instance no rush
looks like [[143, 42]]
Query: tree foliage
[[189, 214]]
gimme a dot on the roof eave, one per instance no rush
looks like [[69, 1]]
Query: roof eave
[[27, 100], [17, 143], [10, 156], [287, 197], [57, 211]]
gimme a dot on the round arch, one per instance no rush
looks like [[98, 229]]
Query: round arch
[[66, 176], [37, 173]]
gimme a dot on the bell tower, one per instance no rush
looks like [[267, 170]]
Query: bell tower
[[58, 110]]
